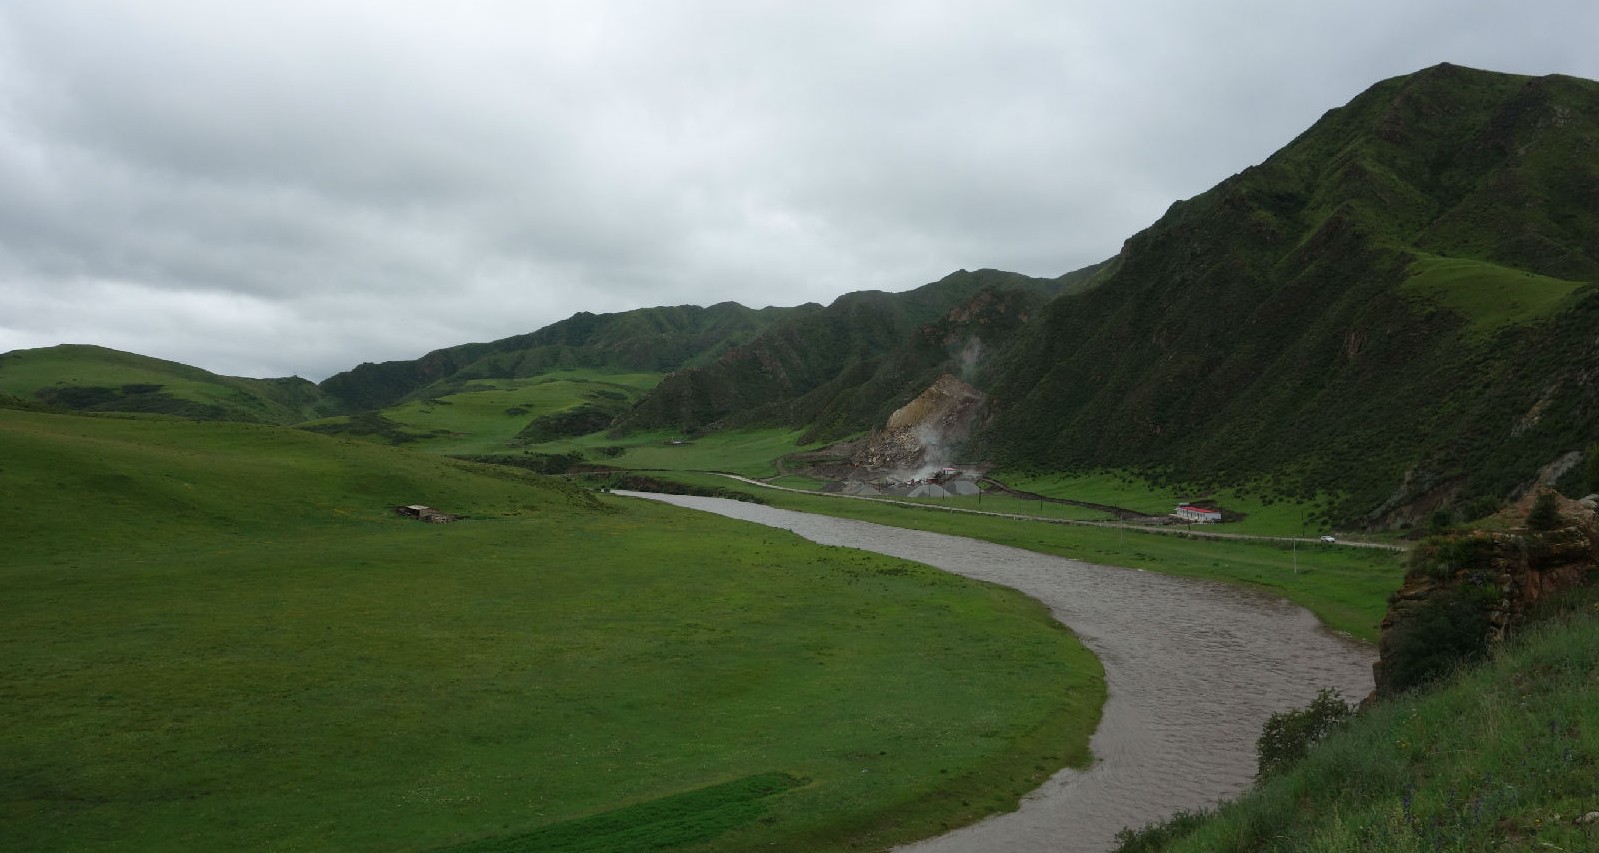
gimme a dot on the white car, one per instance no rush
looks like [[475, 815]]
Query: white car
[[1328, 538]]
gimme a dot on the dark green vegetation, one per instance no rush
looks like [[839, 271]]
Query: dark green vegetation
[[845, 368], [1287, 737], [1396, 308], [649, 340], [1501, 757], [221, 636]]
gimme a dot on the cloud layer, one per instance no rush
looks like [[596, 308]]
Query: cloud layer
[[293, 188]]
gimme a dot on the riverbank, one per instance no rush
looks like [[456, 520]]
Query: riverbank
[[1193, 670], [1346, 587], [222, 637]]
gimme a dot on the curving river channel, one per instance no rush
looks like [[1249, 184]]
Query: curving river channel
[[1193, 669]]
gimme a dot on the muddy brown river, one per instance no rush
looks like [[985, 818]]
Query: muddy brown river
[[1193, 669]]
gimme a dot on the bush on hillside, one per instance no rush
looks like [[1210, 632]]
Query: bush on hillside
[[1287, 737], [1449, 629], [1545, 513], [1154, 837]]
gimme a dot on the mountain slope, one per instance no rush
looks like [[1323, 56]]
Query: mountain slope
[[1337, 318], [96, 379], [840, 367], [653, 340]]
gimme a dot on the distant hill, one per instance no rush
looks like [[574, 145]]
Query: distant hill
[[1395, 313], [77, 377], [1397, 307], [647, 340], [844, 367]]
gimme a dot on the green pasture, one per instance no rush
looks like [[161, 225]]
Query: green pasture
[[483, 416], [751, 453], [220, 636], [1488, 295], [1004, 503], [1263, 516], [1346, 587]]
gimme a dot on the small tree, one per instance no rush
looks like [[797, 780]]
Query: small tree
[[1287, 737], [1545, 514]]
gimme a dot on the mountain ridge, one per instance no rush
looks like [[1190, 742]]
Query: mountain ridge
[[1392, 311]]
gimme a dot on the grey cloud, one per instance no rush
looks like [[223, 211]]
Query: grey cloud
[[298, 188]]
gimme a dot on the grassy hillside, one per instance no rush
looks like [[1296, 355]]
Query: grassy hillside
[[1395, 309], [220, 636], [842, 368], [647, 340], [96, 379], [496, 416], [1501, 758]]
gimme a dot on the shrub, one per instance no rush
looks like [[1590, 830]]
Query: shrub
[[1441, 557], [1155, 836], [1287, 737], [1449, 629], [1545, 513]]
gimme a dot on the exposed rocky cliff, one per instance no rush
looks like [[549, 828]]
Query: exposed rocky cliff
[[921, 435], [1468, 590]]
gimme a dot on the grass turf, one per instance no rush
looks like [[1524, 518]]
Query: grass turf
[[750, 453], [1489, 296], [220, 636], [1347, 588]]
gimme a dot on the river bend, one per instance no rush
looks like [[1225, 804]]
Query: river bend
[[1193, 669]]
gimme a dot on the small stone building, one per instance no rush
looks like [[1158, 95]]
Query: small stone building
[[425, 513]]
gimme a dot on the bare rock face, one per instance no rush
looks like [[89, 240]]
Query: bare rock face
[[1505, 571], [921, 435]]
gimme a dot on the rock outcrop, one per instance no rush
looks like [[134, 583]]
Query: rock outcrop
[[1500, 574], [921, 435]]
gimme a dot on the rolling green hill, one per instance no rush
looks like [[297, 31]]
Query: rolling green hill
[[221, 636], [647, 340], [498, 415], [1397, 308], [96, 379]]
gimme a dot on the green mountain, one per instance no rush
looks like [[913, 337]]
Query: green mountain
[[647, 340], [841, 368], [95, 379], [1397, 307]]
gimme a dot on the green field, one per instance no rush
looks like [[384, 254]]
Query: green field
[[220, 636], [1346, 587], [1262, 516], [750, 453]]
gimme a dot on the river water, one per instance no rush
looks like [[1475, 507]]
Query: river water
[[1193, 670]]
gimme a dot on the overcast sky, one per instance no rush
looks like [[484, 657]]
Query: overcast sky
[[276, 188]]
